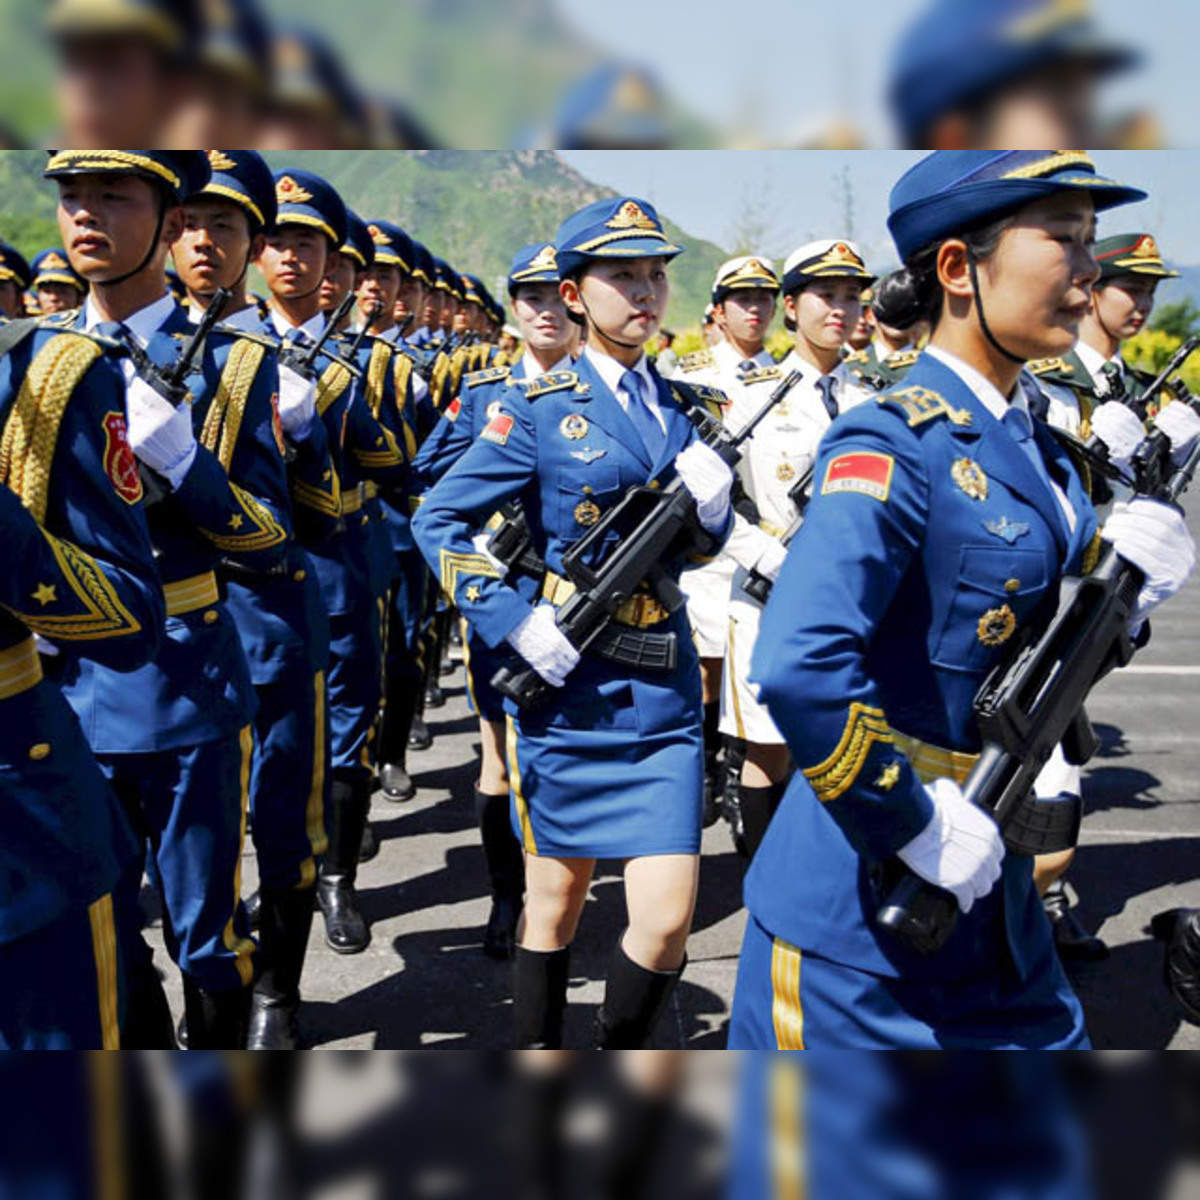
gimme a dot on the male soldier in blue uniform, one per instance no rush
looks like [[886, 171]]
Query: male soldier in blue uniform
[[58, 288], [176, 738], [15, 278], [311, 227], [81, 577], [280, 614], [548, 334]]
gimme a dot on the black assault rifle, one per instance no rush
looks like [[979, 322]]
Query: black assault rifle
[[653, 525], [1026, 706], [758, 586], [303, 360]]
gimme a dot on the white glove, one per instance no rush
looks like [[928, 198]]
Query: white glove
[[1181, 424], [160, 434], [480, 542], [771, 561], [1120, 431], [49, 649], [961, 847], [297, 402], [540, 642], [706, 475], [1155, 539]]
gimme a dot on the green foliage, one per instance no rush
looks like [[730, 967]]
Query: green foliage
[[1151, 350], [1179, 320]]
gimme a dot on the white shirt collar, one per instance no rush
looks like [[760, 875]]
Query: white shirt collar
[[730, 359], [313, 327], [611, 372], [809, 374], [531, 369], [985, 392], [245, 319], [143, 324], [1096, 362]]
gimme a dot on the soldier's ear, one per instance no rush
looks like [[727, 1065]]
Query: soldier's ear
[[569, 290], [258, 243], [953, 268], [173, 224]]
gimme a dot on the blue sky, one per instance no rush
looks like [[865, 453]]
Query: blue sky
[[793, 195]]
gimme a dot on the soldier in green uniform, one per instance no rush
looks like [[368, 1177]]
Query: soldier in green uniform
[[896, 331]]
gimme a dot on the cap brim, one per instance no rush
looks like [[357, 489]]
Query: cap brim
[[635, 247], [54, 277]]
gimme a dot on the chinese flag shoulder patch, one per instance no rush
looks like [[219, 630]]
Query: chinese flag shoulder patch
[[862, 471], [453, 409], [120, 465], [498, 429]]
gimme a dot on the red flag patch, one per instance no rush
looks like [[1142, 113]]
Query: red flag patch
[[498, 429], [453, 409], [277, 426], [119, 462], [864, 471]]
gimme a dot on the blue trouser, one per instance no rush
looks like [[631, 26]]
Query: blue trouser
[[354, 690], [787, 999], [289, 783], [190, 804], [63, 985]]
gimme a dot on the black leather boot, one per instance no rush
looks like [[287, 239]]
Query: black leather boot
[[215, 1020], [419, 737], [634, 999], [345, 927], [1070, 938], [506, 873], [403, 682], [1180, 930], [368, 847], [712, 764], [253, 909], [757, 805], [283, 940], [539, 997]]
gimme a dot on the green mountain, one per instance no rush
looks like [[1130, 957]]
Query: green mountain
[[471, 207]]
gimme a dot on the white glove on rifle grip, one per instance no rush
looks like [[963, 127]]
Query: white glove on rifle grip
[[297, 402], [160, 435], [1154, 538], [1120, 431], [707, 476], [1181, 425], [540, 642], [960, 849], [771, 561]]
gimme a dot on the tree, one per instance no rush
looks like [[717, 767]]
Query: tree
[[1180, 319]]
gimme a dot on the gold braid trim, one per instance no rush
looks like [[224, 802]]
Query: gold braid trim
[[329, 502], [377, 376], [223, 423], [453, 565], [1091, 554], [31, 431], [265, 531], [104, 615], [864, 727], [437, 379], [334, 381], [389, 456], [402, 367]]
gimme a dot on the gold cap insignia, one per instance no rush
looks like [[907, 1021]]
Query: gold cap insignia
[[220, 161], [1146, 248], [378, 236], [633, 94], [996, 625], [970, 478], [573, 426], [586, 513], [546, 259], [631, 216], [55, 262], [288, 191]]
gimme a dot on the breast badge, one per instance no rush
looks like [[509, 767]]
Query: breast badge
[[785, 472], [1010, 531], [573, 427], [969, 476], [996, 625], [586, 513]]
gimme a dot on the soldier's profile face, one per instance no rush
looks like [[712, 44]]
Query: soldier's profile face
[[112, 91], [294, 260], [105, 221], [214, 247], [11, 304], [341, 278], [1036, 286], [1124, 304]]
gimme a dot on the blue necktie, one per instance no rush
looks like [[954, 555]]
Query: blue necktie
[[1019, 426], [643, 419], [825, 386], [115, 331]]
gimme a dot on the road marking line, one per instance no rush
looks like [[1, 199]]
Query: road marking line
[[1140, 834], [1155, 671]]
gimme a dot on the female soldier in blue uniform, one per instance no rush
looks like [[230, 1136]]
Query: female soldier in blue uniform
[[941, 522], [611, 766], [547, 333]]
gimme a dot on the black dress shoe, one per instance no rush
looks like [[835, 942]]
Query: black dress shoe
[[1072, 941], [273, 1025], [396, 784], [346, 929], [253, 906], [434, 696], [419, 737]]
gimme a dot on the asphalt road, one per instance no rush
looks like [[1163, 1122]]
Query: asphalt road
[[425, 981]]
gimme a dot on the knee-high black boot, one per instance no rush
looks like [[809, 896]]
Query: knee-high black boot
[[403, 684], [506, 873], [539, 997], [286, 918], [634, 999], [215, 1020], [712, 763], [345, 927], [758, 805]]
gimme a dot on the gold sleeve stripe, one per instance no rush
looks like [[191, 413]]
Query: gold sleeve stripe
[[103, 613], [104, 952], [242, 948], [787, 1013], [224, 420], [864, 727], [453, 565], [1091, 555], [264, 532], [31, 431], [20, 669], [329, 502], [333, 382]]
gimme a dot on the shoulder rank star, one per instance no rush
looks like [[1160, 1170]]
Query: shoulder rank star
[[888, 777], [970, 478], [1010, 531]]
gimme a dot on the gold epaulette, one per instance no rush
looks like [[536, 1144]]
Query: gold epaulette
[[919, 405], [487, 375], [857, 356], [902, 358], [761, 375], [552, 381], [696, 361], [1047, 366]]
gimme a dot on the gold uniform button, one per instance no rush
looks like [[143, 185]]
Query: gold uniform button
[[653, 485], [211, 617], [365, 521], [39, 750], [300, 575], [587, 489], [1011, 585]]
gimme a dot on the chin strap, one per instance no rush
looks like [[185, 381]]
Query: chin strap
[[987, 333], [592, 320]]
